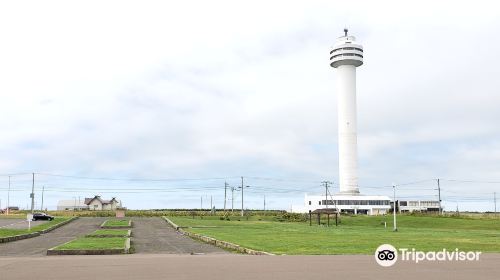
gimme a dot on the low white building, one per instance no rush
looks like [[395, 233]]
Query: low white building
[[355, 204], [418, 205], [71, 204]]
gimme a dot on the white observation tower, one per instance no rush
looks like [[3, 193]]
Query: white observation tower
[[345, 56]]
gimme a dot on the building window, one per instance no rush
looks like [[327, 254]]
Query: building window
[[309, 202], [319, 202]]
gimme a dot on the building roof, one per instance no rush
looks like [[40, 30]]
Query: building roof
[[350, 197], [88, 200]]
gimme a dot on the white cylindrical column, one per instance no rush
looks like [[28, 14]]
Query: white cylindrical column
[[347, 127], [345, 56]]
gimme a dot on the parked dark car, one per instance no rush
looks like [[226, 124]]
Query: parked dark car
[[42, 216]]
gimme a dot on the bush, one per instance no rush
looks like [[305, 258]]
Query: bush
[[292, 217]]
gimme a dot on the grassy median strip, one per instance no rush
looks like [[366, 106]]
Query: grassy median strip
[[6, 232], [93, 243], [355, 235], [109, 233]]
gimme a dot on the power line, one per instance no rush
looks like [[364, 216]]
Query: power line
[[133, 179], [472, 181], [282, 180], [14, 174]]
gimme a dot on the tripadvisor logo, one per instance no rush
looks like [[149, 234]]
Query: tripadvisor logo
[[388, 255]]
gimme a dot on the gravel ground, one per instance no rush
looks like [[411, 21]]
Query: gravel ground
[[5, 222], [149, 236], [155, 236], [37, 246], [18, 223]]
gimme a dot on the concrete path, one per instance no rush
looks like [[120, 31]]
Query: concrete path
[[37, 246], [241, 267], [155, 236]]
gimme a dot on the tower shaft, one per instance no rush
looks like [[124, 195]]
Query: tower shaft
[[347, 129]]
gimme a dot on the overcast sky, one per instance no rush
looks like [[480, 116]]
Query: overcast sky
[[222, 89]]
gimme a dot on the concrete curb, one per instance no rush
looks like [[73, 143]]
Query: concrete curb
[[36, 233], [129, 234], [216, 242], [172, 224], [116, 227], [57, 252], [127, 246], [58, 225]]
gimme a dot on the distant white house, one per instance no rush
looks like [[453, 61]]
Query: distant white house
[[97, 203], [89, 203]]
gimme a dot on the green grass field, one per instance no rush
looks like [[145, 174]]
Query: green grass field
[[109, 233], [88, 243], [5, 232], [355, 235], [116, 223]]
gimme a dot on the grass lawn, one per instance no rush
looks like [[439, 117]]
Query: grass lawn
[[355, 235], [86, 243], [109, 232], [116, 223], [4, 232]]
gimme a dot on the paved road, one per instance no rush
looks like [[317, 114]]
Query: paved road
[[18, 223], [154, 236], [241, 267], [37, 246], [5, 222]]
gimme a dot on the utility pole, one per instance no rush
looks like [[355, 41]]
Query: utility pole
[[439, 197], [394, 209], [326, 184], [33, 195], [232, 199], [8, 198], [242, 214], [41, 206], [201, 205], [495, 201], [211, 203], [225, 193], [264, 203]]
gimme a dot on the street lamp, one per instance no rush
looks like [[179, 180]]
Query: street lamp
[[394, 208]]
